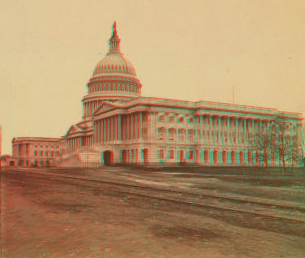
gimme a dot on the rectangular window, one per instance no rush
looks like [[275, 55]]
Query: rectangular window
[[171, 119], [161, 154], [171, 154], [191, 154]]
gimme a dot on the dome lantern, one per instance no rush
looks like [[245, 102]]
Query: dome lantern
[[114, 41]]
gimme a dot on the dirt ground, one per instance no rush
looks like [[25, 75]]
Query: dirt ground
[[137, 212]]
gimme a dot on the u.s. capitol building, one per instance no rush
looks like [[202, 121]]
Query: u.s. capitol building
[[121, 126]]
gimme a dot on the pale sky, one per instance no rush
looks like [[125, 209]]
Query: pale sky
[[189, 50]]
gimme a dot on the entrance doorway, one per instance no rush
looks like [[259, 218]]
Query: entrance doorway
[[145, 156], [124, 156], [108, 158]]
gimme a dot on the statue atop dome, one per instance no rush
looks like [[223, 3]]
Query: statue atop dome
[[114, 32]]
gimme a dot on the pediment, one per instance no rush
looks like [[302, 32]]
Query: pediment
[[104, 106], [73, 129]]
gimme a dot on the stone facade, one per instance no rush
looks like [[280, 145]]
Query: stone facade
[[36, 151]]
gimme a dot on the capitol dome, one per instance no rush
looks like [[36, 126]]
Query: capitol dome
[[114, 63], [113, 79]]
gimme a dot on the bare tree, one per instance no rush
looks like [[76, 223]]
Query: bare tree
[[279, 142]]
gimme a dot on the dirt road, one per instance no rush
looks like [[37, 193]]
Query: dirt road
[[131, 212]]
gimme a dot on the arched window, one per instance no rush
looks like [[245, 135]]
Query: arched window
[[161, 133], [170, 119], [161, 118], [181, 135], [190, 135], [180, 120], [171, 134]]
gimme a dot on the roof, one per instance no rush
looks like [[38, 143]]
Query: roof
[[36, 139]]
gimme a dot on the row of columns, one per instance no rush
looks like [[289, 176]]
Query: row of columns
[[219, 157], [113, 88], [76, 142], [90, 107], [225, 130], [134, 156], [120, 128]]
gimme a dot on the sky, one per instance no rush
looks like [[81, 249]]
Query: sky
[[189, 50]]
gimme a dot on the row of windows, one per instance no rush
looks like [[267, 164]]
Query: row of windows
[[113, 87], [46, 146], [46, 153], [113, 68], [171, 154], [171, 119], [171, 133]]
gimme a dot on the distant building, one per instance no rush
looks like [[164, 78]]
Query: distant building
[[36, 151], [119, 126]]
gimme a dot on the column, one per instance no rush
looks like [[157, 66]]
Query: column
[[211, 160], [199, 129], [95, 131], [210, 128], [229, 131], [254, 124], [141, 126], [246, 130], [119, 128], [99, 131], [223, 128], [127, 127], [246, 160], [219, 132], [237, 130], [104, 129], [103, 126], [111, 128], [136, 129], [114, 128], [205, 135], [131, 127]]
